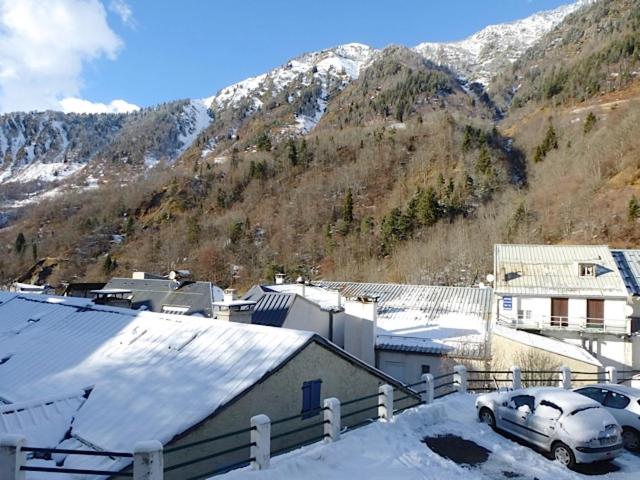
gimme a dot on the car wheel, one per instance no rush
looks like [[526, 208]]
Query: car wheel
[[487, 416], [631, 439], [564, 455]]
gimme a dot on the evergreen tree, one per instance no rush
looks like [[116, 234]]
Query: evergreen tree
[[589, 123], [347, 209], [20, 244], [633, 209], [292, 152], [483, 165], [109, 265]]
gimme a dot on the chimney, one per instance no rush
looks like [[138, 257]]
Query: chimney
[[280, 278], [300, 281], [231, 309], [229, 295]]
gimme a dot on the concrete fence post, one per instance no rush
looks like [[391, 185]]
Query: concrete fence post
[[261, 439], [148, 461], [427, 394], [385, 402], [332, 420], [12, 457], [516, 378], [565, 378], [461, 378], [612, 375]]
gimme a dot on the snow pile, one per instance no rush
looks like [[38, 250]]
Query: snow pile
[[395, 450], [478, 57], [547, 344]]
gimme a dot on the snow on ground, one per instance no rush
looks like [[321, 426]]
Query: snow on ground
[[197, 117], [45, 172], [383, 451]]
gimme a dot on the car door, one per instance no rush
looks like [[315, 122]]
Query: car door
[[542, 422], [514, 414], [616, 403]]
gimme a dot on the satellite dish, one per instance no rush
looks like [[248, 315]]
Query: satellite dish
[[174, 285], [490, 278], [628, 310]]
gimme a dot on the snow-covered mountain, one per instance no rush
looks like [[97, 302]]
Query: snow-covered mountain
[[327, 70], [478, 57], [46, 147]]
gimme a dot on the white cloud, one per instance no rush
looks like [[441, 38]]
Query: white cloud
[[44, 46], [79, 105], [123, 10]]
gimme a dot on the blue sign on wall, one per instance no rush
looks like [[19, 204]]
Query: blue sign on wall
[[507, 303]]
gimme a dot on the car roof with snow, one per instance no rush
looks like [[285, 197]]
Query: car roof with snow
[[633, 392], [565, 399]]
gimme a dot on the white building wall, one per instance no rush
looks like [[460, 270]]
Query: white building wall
[[307, 316]]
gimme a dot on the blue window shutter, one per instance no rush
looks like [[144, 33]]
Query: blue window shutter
[[311, 393]]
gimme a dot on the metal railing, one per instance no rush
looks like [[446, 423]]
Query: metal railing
[[568, 323], [253, 444]]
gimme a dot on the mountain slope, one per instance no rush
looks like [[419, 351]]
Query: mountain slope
[[479, 57]]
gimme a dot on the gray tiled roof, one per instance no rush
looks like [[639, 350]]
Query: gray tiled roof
[[154, 294]]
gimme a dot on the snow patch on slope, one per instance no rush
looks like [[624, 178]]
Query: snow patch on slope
[[344, 62], [196, 118], [478, 57]]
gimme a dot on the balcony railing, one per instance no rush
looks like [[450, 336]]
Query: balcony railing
[[576, 324]]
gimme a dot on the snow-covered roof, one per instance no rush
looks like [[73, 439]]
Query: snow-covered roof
[[150, 375], [554, 270], [628, 262], [548, 344], [427, 319]]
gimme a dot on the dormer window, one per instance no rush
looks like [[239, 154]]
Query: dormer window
[[587, 269]]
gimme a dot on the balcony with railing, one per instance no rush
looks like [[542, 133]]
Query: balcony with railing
[[618, 326]]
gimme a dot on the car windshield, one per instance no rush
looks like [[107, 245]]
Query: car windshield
[[582, 409]]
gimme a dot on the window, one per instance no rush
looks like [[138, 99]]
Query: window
[[597, 394], [616, 400], [311, 398], [587, 270], [425, 369], [522, 400]]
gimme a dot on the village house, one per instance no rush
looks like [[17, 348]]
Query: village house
[[79, 376], [573, 293], [302, 306], [421, 329], [178, 293]]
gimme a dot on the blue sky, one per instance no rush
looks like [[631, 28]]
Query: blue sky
[[150, 51]]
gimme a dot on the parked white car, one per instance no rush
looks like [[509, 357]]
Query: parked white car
[[574, 428], [624, 404]]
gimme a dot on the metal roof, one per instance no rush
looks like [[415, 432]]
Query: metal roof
[[151, 375], [272, 309], [548, 270], [628, 262], [154, 294], [423, 318]]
